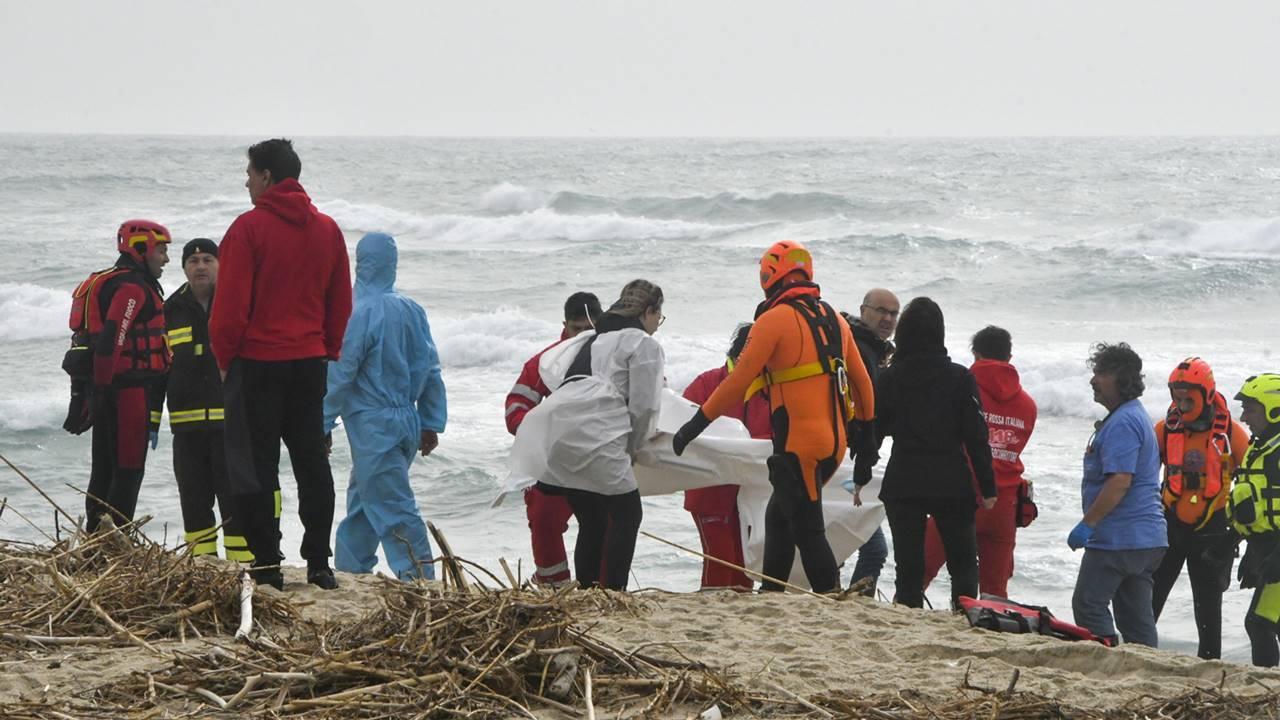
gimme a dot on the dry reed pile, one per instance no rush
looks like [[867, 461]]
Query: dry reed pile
[[425, 651], [118, 587]]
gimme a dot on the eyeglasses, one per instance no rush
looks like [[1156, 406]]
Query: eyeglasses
[[661, 319], [882, 310]]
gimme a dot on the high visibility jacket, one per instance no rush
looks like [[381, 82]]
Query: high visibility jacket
[[1254, 506], [194, 388]]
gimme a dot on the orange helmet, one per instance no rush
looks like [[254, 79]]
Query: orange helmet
[[1194, 374], [138, 237], [781, 259]]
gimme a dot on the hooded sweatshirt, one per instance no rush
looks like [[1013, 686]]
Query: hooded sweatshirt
[[930, 406], [1011, 416], [284, 284]]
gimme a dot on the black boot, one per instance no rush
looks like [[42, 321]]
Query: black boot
[[268, 576], [320, 575]]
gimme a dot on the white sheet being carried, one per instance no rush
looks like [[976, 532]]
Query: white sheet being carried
[[724, 453]]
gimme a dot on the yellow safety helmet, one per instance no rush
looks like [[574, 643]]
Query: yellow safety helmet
[[1264, 388]]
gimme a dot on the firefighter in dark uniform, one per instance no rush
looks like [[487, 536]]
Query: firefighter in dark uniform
[[194, 393]]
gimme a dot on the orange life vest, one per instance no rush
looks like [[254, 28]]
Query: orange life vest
[[1200, 482], [146, 351]]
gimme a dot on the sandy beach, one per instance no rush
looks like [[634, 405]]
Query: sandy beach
[[781, 645]]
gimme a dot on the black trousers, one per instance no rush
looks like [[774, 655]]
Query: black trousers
[[1261, 626], [1209, 576], [954, 517], [121, 424], [794, 522], [267, 402], [200, 467], [607, 530]]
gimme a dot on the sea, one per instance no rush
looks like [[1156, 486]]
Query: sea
[[1168, 244]]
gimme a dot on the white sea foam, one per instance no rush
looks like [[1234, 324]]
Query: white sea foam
[[508, 198], [1238, 237], [33, 312], [505, 338], [540, 225], [32, 410]]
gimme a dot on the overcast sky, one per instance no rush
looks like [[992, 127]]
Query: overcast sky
[[600, 67]]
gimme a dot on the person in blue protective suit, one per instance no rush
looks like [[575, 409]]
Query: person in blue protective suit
[[388, 390]]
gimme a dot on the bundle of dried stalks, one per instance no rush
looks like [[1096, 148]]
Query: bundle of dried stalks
[[430, 652], [118, 587]]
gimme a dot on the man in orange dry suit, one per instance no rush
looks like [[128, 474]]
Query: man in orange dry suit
[[822, 402], [548, 514], [1011, 417], [715, 509], [1200, 448]]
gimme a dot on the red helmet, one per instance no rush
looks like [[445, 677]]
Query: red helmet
[[1194, 374], [138, 237], [781, 259]]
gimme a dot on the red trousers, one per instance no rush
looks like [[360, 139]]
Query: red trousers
[[996, 529], [548, 521], [121, 424], [715, 512]]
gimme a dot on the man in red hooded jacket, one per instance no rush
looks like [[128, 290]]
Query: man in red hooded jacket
[[715, 509], [1011, 416], [283, 301], [548, 514]]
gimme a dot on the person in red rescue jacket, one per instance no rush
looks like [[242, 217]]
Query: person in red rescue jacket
[[1011, 416], [715, 509], [283, 301], [548, 514], [118, 349]]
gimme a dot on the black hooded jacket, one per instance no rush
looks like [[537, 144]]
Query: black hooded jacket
[[931, 408]]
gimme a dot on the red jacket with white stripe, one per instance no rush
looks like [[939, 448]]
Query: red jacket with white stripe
[[528, 391]]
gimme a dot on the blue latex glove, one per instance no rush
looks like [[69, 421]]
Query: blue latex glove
[[1079, 535], [155, 439]]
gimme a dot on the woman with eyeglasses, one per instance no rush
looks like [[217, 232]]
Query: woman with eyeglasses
[[594, 423]]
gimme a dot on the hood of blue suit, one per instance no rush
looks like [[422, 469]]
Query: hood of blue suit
[[376, 259]]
